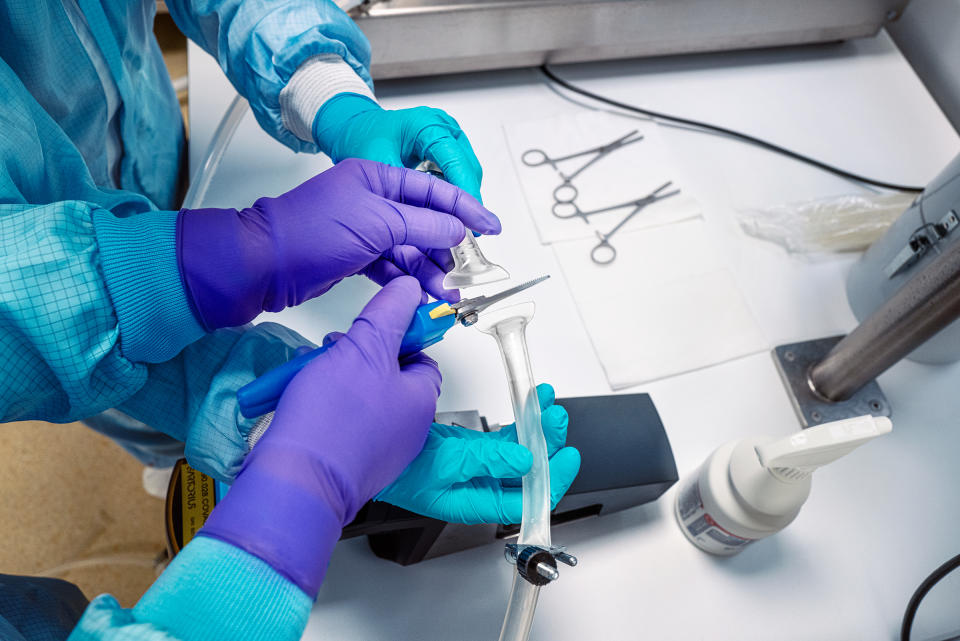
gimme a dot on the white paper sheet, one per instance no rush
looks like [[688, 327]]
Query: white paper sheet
[[665, 306], [650, 165]]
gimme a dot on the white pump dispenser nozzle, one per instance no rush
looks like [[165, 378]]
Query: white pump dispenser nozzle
[[750, 489], [794, 458]]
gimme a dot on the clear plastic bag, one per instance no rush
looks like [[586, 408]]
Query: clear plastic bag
[[841, 224]]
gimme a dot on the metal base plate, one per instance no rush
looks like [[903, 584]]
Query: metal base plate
[[794, 362]]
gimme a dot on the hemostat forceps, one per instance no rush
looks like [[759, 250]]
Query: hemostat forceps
[[604, 253], [565, 192], [566, 211]]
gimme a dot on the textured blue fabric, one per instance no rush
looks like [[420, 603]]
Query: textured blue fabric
[[193, 397], [192, 400], [76, 317], [59, 338], [260, 44], [146, 444], [38, 609], [50, 65], [211, 591], [140, 267], [59, 334]]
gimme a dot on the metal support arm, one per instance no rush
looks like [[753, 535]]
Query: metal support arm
[[926, 304]]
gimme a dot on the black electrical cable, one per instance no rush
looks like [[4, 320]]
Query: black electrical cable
[[742, 137], [921, 592]]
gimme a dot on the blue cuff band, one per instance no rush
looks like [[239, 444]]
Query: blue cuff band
[[139, 258], [217, 592]]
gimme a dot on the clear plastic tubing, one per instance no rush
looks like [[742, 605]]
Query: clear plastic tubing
[[215, 151], [520, 610], [507, 326]]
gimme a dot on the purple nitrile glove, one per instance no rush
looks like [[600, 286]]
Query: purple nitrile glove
[[358, 217], [345, 428]]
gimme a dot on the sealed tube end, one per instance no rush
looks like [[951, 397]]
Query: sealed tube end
[[471, 267]]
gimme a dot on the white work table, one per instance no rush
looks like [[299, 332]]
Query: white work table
[[876, 523]]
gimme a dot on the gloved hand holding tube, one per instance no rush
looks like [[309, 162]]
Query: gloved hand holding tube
[[466, 476], [346, 426], [360, 217]]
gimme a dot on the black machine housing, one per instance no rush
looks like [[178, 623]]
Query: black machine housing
[[626, 461]]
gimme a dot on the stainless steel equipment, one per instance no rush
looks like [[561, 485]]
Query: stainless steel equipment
[[426, 37], [921, 236], [906, 291], [926, 35], [924, 306]]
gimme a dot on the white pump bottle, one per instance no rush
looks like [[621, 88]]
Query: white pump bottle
[[747, 490]]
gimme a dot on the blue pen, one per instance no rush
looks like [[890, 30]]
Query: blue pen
[[430, 322]]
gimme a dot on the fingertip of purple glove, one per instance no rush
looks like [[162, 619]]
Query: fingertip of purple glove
[[388, 313], [451, 295], [407, 285], [495, 226], [488, 223], [438, 194]]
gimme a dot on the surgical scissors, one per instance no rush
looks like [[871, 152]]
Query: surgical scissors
[[604, 253], [538, 157], [430, 322]]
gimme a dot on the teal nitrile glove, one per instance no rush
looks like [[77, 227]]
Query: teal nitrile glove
[[353, 126], [466, 476]]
